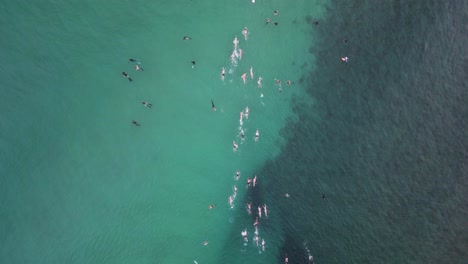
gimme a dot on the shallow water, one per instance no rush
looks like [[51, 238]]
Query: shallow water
[[383, 137]]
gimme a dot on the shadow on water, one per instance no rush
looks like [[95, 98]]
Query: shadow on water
[[385, 140]]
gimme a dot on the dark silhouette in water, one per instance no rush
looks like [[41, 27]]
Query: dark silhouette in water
[[213, 107], [146, 104], [127, 76], [135, 123]]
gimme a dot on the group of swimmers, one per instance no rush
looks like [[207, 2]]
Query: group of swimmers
[[126, 75]]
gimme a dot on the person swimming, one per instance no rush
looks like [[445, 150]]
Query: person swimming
[[257, 134], [323, 196], [288, 82], [146, 104], [251, 72], [260, 212], [275, 13], [244, 77], [237, 175], [286, 260], [249, 182], [263, 245], [240, 54], [256, 221], [254, 181], [234, 146], [236, 42], [344, 59], [211, 206], [246, 112], [138, 68], [193, 64], [249, 208], [127, 76], [213, 107], [187, 38], [267, 21], [245, 32], [223, 73], [133, 60], [135, 123], [275, 23], [265, 210], [242, 133], [244, 235], [259, 82]]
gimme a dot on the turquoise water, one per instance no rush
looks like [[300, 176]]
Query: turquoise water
[[384, 141]]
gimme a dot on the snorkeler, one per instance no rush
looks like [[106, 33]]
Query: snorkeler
[[127, 76], [146, 104], [213, 107]]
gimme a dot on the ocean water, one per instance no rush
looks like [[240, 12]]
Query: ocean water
[[383, 136]]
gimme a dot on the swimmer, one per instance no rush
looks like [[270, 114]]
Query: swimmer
[[234, 146], [253, 1], [256, 238], [146, 104], [259, 82], [323, 196], [345, 41], [133, 60], [127, 76], [288, 82], [240, 54], [233, 57], [245, 32], [256, 231], [265, 210], [187, 38], [237, 175], [211, 206], [205, 243], [236, 42], [344, 59], [276, 13], [249, 182], [260, 212], [256, 221], [316, 23], [278, 82], [254, 181], [193, 64], [231, 200], [251, 72], [242, 133], [195, 262], [235, 189], [213, 107], [223, 72], [247, 112], [138, 68], [244, 234], [286, 260], [257, 134], [263, 244], [286, 195], [267, 21], [275, 23], [135, 123], [280, 90], [244, 77], [249, 208]]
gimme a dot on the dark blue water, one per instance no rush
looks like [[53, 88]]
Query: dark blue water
[[386, 139]]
